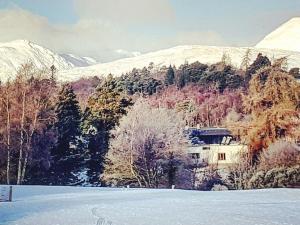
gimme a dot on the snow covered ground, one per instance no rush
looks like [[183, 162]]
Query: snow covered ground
[[91, 206]]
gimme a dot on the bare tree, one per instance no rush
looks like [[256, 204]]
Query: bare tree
[[33, 91], [6, 102]]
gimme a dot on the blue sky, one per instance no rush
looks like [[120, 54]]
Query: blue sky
[[106, 26]]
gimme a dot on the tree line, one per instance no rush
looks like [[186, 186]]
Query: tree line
[[128, 130]]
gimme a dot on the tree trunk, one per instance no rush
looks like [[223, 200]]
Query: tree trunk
[[21, 140], [24, 167], [8, 141], [8, 167]]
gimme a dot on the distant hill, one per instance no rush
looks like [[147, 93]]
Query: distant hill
[[286, 37], [177, 56]]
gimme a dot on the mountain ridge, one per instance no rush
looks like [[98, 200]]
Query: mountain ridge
[[283, 42], [178, 56]]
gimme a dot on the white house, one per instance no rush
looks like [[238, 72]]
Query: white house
[[214, 146]]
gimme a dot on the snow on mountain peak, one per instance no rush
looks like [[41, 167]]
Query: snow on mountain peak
[[15, 53], [286, 37]]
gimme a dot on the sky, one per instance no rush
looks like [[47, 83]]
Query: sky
[[112, 29]]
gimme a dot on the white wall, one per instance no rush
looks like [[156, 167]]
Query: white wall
[[232, 153]]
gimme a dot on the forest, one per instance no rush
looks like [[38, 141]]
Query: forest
[[128, 130]]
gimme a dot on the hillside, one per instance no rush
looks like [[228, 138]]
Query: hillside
[[286, 37], [80, 206], [177, 56], [79, 61], [14, 54]]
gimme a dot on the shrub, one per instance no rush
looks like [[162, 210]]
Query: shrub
[[278, 177], [279, 154], [218, 187]]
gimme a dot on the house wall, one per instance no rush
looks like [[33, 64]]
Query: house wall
[[210, 153]]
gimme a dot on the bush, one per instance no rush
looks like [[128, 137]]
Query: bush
[[218, 187], [208, 179], [279, 154], [277, 167], [278, 177]]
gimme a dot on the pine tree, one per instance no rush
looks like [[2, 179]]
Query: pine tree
[[66, 155], [170, 77], [259, 63], [246, 60], [68, 118], [104, 110]]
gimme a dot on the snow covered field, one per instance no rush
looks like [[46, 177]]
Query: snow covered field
[[91, 206]]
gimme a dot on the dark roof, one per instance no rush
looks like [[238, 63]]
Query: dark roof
[[208, 132]]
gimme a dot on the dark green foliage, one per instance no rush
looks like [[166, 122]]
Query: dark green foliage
[[217, 75], [260, 62], [104, 110], [68, 118], [295, 72], [181, 80], [67, 155], [222, 78], [170, 77], [194, 72], [138, 81]]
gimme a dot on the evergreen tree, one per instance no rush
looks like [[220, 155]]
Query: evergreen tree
[[246, 60], [105, 108], [67, 155], [259, 63], [170, 77], [68, 118]]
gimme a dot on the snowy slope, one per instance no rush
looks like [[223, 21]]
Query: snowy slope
[[14, 54], [286, 37], [34, 205], [177, 56], [78, 61]]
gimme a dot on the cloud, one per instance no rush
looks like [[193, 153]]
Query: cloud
[[105, 30], [128, 12]]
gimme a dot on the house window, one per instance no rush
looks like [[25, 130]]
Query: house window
[[221, 156]]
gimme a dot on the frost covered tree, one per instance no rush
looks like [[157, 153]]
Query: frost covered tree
[[246, 60], [145, 150]]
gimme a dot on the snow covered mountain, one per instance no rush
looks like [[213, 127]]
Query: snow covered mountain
[[14, 54], [286, 37], [283, 42], [78, 61], [177, 56]]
